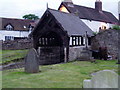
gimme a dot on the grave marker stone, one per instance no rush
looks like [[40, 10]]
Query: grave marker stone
[[102, 79], [31, 62]]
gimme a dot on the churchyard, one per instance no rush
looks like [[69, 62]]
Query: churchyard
[[63, 75], [72, 47]]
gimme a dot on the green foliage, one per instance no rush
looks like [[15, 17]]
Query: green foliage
[[31, 17], [68, 75], [116, 27], [95, 33]]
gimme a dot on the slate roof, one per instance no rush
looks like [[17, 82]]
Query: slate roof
[[71, 23], [91, 13], [18, 24]]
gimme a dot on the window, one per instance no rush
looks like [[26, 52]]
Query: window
[[103, 26], [9, 27], [9, 38], [24, 27], [76, 41], [31, 27]]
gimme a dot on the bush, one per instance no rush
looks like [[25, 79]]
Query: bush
[[95, 33], [116, 27]]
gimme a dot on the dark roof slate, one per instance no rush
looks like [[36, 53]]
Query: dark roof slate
[[18, 24], [91, 13], [71, 23]]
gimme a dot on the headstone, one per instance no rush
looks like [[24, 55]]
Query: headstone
[[102, 79], [31, 62]]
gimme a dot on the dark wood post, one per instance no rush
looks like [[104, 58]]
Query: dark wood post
[[86, 40], [35, 43], [82, 40]]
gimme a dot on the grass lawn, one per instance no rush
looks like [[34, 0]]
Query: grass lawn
[[68, 75], [11, 55]]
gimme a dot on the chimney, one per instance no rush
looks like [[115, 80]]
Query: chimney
[[98, 5], [68, 1]]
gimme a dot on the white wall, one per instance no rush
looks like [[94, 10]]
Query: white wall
[[4, 33], [94, 25]]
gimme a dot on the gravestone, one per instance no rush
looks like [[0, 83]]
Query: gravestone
[[102, 79], [31, 62]]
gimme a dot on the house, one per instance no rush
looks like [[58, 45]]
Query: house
[[57, 34], [96, 18], [11, 29]]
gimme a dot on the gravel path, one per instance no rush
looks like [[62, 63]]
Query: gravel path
[[12, 66]]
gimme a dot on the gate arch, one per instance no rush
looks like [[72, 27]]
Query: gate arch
[[50, 48]]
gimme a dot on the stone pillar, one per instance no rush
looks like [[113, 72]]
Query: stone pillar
[[65, 54], [31, 62], [86, 40]]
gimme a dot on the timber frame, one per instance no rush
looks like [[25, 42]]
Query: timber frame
[[49, 32]]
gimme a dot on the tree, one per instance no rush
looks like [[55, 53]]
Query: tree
[[30, 16]]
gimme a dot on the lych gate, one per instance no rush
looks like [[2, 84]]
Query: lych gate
[[51, 48], [55, 33]]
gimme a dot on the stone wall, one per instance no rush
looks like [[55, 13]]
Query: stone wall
[[109, 39], [17, 44], [53, 55], [75, 52], [80, 53]]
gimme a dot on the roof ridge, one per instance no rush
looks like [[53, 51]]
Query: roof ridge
[[87, 7], [90, 13], [64, 12], [90, 8], [16, 19]]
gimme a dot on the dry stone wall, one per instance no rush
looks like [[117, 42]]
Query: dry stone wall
[[109, 39], [17, 44]]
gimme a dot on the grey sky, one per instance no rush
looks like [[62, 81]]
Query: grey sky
[[18, 8]]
